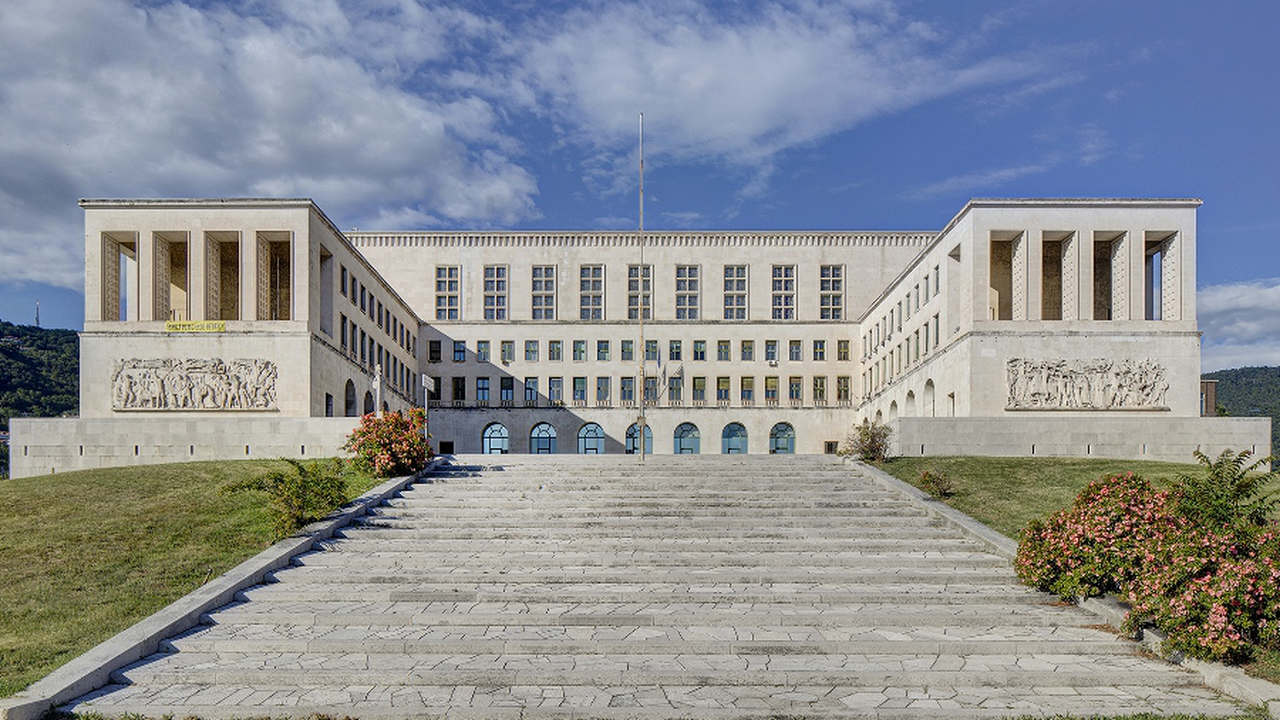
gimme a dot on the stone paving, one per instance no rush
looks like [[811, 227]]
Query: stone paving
[[701, 587]]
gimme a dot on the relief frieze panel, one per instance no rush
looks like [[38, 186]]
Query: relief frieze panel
[[1092, 384], [193, 384]]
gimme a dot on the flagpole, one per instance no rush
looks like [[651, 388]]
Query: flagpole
[[641, 279]]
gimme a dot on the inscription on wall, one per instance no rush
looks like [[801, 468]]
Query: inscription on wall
[[1096, 384], [193, 384]]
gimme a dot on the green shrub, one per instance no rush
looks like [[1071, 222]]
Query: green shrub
[[1229, 493], [868, 442], [390, 445], [937, 483], [303, 493]]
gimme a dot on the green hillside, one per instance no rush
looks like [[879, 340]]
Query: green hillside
[[39, 372], [1251, 391]]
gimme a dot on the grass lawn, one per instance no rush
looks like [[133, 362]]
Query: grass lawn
[[84, 555], [1007, 493]]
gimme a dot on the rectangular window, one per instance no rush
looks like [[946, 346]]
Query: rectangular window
[[842, 350], [364, 299], [602, 350], [651, 350], [650, 389], [544, 292], [735, 292], [844, 385], [342, 320], [591, 292], [343, 273], [796, 351], [675, 351], [579, 350], [482, 389], [482, 351], [459, 389], [555, 390], [530, 391], [555, 350], [723, 350], [507, 390], [722, 389], [784, 292], [699, 350], [747, 390], [602, 391], [748, 350], [675, 389], [687, 292], [639, 291], [699, 389], [531, 350], [433, 351], [495, 292], [771, 350], [448, 292], [819, 350], [831, 292], [771, 390], [459, 351], [795, 389], [628, 350], [820, 389], [579, 390], [508, 351], [628, 389]]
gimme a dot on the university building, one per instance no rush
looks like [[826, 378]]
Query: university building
[[256, 328]]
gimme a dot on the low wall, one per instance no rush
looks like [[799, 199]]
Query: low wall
[[1129, 437], [41, 446]]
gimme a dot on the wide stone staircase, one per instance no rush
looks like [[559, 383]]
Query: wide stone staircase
[[699, 587]]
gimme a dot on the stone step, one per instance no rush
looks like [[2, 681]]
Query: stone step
[[338, 556], [847, 526], [365, 541], [378, 528], [477, 511], [639, 574]]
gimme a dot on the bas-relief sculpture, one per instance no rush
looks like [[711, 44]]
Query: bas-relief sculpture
[[1096, 384], [193, 384]]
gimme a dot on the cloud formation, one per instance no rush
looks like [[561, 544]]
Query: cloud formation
[[1240, 324]]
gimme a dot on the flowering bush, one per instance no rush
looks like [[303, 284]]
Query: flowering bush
[[390, 445], [1097, 546]]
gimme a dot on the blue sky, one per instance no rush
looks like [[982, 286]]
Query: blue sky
[[865, 114]]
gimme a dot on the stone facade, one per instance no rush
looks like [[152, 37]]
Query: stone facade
[[1051, 315]]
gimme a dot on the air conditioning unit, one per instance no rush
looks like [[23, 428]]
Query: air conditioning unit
[[773, 363]]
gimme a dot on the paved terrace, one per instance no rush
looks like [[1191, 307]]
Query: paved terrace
[[702, 587]]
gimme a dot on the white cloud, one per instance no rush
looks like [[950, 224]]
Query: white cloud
[[1240, 324], [102, 98]]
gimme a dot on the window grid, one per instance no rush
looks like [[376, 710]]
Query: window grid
[[784, 292], [448, 292], [735, 292], [495, 292], [639, 291], [544, 292], [831, 292], [591, 292], [687, 292]]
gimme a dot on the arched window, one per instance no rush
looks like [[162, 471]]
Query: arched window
[[733, 440], [893, 411], [590, 439], [368, 403], [495, 440], [782, 439], [633, 440], [350, 409], [929, 409], [909, 407], [688, 440], [542, 439]]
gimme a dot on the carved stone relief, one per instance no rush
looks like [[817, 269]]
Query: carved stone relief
[[1096, 384], [193, 384]]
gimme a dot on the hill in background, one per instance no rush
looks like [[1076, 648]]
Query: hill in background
[[1251, 392], [39, 372]]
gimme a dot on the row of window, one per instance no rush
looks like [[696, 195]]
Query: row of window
[[627, 350], [686, 440], [591, 292], [882, 333], [362, 297], [669, 391], [364, 349], [907, 353]]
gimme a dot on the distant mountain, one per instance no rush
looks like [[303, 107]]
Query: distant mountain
[[39, 372], [1251, 391]]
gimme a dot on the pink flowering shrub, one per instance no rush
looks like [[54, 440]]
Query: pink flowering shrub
[[390, 445], [1096, 547], [1200, 562]]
